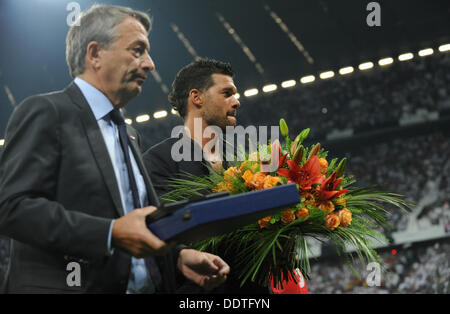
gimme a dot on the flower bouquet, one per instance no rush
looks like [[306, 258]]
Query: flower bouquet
[[330, 209]]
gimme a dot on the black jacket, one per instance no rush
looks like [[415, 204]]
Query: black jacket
[[162, 167], [58, 195]]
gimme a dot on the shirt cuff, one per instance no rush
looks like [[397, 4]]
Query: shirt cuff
[[110, 249]]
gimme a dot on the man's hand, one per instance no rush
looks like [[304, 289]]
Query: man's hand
[[206, 270], [130, 233]]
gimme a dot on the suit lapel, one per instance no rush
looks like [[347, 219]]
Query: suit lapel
[[97, 145]]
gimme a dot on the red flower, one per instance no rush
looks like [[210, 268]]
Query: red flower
[[304, 176], [276, 150], [327, 189]]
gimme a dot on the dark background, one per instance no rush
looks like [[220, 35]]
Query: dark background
[[334, 33]]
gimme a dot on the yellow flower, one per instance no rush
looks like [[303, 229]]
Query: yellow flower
[[264, 223], [223, 186], [323, 166], [341, 201], [245, 165], [287, 216], [345, 217], [302, 212], [332, 221]]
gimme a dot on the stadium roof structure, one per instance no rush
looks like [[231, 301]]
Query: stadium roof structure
[[265, 41]]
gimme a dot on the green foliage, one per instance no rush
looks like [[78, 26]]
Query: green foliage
[[261, 255]]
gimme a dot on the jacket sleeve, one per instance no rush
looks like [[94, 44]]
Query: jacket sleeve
[[29, 165]]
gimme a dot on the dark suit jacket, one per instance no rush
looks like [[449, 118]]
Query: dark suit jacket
[[161, 167], [58, 195]]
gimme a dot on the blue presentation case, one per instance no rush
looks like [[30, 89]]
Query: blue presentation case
[[201, 220]]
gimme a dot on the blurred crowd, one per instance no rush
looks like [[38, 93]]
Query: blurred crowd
[[362, 101], [417, 269], [416, 167]]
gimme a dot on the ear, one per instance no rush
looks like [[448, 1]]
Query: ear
[[93, 56], [196, 98]]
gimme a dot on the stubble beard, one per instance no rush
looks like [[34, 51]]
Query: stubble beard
[[215, 120]]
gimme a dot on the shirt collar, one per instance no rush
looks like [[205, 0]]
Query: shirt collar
[[99, 103]]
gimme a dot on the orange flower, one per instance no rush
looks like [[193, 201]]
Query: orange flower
[[326, 206], [270, 181], [323, 166], [287, 216], [332, 221], [248, 176], [345, 217], [230, 173], [258, 180], [264, 223], [301, 213], [309, 198], [223, 186], [244, 164]]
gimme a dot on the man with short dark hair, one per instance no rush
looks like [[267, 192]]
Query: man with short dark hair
[[73, 186], [204, 94]]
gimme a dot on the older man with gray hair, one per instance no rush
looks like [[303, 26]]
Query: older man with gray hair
[[74, 192]]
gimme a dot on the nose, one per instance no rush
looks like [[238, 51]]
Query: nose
[[147, 64], [236, 103]]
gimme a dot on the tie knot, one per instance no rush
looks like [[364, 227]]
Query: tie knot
[[116, 117]]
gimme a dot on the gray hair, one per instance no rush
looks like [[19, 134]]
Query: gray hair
[[97, 24]]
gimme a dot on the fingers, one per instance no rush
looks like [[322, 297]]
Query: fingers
[[147, 210], [220, 265], [131, 234], [154, 245], [212, 282]]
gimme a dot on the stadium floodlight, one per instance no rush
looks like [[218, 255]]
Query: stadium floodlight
[[251, 92], [426, 52], [385, 61], [307, 79], [160, 114], [237, 95], [2, 142], [405, 56], [365, 66], [287, 84], [173, 111], [128, 121], [142, 118], [445, 47], [346, 70], [326, 75], [270, 88]]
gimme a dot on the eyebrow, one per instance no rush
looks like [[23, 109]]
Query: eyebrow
[[140, 43], [229, 89]]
